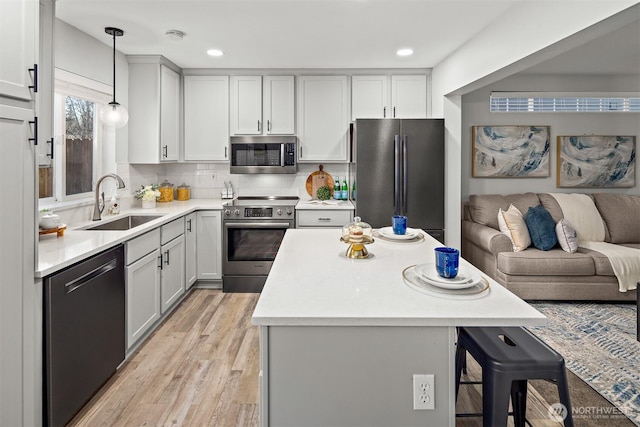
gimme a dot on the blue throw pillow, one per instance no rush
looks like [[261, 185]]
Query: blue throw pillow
[[542, 228]]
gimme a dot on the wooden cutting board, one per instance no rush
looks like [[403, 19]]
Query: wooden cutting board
[[317, 179]]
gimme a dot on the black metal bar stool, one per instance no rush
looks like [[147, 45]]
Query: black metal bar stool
[[509, 356]]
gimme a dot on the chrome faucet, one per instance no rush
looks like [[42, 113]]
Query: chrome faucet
[[97, 209]]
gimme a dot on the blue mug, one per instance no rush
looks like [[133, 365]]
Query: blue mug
[[399, 223], [447, 260]]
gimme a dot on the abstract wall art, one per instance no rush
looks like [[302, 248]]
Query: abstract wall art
[[510, 151], [596, 161]]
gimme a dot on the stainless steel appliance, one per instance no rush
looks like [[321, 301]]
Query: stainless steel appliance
[[84, 332], [252, 230], [399, 169], [263, 154]]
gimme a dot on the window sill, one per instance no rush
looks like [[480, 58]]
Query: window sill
[[68, 204]]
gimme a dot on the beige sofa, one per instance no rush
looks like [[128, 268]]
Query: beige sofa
[[533, 274]]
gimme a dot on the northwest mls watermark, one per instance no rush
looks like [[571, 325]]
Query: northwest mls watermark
[[558, 412]]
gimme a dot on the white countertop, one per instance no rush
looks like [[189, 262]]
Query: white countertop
[[312, 283], [314, 204], [56, 253]]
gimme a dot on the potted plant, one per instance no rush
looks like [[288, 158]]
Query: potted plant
[[148, 194]]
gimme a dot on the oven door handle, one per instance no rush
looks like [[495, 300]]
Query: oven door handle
[[257, 225]]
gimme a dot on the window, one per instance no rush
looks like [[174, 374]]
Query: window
[[506, 102], [78, 138]]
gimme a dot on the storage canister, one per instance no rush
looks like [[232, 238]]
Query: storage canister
[[184, 192], [166, 192]]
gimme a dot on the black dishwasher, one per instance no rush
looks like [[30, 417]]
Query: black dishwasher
[[84, 332]]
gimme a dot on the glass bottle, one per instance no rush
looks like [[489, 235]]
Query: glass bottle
[[345, 189]]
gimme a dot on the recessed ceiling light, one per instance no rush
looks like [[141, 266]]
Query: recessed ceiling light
[[215, 52], [404, 52]]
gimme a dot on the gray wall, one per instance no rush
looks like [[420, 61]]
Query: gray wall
[[475, 111]]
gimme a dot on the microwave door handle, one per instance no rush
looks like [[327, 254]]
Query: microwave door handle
[[282, 155]]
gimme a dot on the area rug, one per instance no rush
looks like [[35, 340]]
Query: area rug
[[598, 343]]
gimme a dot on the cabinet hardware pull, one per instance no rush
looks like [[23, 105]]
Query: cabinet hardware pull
[[35, 130], [160, 259], [225, 152], [189, 225], [394, 112], [166, 253], [34, 70], [324, 219], [301, 151], [165, 151], [50, 141], [384, 111], [268, 125], [258, 125]]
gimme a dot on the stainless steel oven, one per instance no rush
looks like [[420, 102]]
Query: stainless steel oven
[[253, 228]]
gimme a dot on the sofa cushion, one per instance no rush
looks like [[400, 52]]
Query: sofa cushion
[[555, 262], [600, 262], [542, 228], [551, 204], [483, 208], [512, 224], [567, 236], [620, 213]]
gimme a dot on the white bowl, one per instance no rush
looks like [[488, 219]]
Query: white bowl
[[49, 221]]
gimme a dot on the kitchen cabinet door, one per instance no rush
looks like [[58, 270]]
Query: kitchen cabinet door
[[209, 245], [409, 97], [143, 296], [323, 118], [169, 114], [19, 35], [279, 105], [246, 105], [190, 240], [17, 299], [172, 273], [206, 118], [154, 110], [369, 97]]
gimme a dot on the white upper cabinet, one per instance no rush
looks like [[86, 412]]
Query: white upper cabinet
[[278, 102], [409, 97], [369, 97], [246, 105], [373, 97], [206, 118], [154, 110], [323, 118], [262, 105], [18, 38]]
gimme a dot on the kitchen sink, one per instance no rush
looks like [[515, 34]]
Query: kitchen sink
[[123, 223]]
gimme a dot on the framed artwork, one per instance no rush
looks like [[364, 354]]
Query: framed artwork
[[596, 161], [510, 151]]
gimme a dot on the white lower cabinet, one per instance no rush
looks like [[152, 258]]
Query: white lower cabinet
[[142, 275], [172, 277], [191, 249], [209, 245], [314, 218]]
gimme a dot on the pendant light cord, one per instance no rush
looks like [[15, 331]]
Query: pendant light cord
[[114, 67]]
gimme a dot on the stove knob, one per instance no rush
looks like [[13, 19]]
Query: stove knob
[[236, 212], [279, 212], [227, 212], [289, 211]]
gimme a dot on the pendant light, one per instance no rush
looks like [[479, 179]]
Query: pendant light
[[114, 115]]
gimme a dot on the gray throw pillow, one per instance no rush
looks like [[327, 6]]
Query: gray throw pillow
[[567, 236]]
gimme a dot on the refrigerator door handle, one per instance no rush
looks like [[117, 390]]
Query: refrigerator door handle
[[397, 191], [405, 174]]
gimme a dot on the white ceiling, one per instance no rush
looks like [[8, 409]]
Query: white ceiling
[[322, 33]]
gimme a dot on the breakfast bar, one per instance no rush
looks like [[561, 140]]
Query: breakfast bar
[[341, 338]]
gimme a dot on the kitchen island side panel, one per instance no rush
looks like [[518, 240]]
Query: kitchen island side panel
[[356, 376]]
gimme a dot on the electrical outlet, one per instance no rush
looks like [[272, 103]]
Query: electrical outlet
[[213, 176], [423, 392]]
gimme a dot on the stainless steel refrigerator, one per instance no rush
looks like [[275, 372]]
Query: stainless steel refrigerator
[[399, 169]]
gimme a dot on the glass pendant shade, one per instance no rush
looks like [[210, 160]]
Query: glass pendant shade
[[114, 115]]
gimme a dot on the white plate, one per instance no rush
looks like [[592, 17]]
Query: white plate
[[414, 281], [411, 233], [465, 278]]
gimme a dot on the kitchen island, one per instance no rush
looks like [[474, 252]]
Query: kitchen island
[[341, 339]]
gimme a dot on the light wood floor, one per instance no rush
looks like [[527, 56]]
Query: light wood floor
[[200, 367]]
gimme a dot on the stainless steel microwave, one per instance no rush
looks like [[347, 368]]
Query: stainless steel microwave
[[263, 154]]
